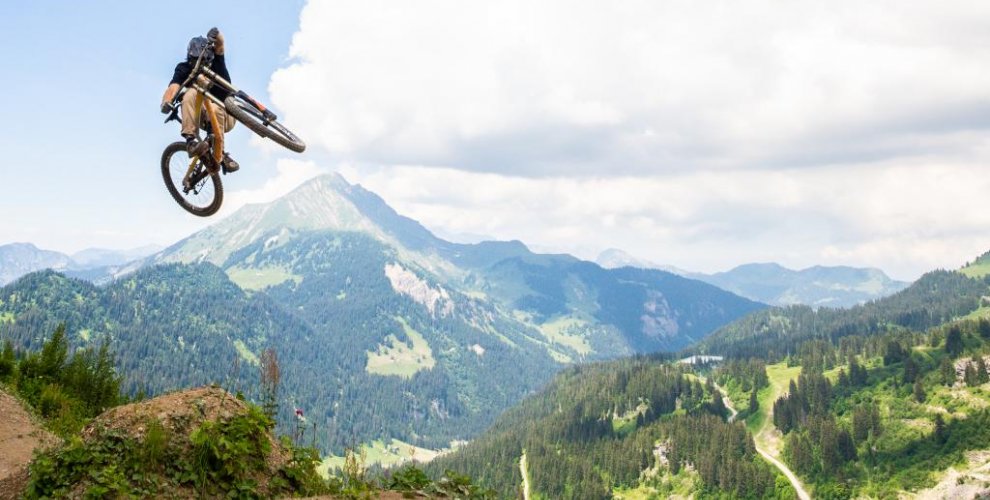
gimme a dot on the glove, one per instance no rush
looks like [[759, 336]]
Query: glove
[[212, 34], [166, 108]]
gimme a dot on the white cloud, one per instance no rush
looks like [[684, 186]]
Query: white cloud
[[903, 219], [289, 174], [702, 135], [637, 86]]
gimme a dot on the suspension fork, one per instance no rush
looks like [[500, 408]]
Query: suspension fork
[[218, 131]]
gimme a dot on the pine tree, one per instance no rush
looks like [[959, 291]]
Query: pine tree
[[970, 375], [982, 376], [919, 391], [910, 370], [954, 342], [718, 406], [54, 354], [847, 449], [829, 447], [984, 328], [7, 360], [894, 353], [940, 434], [860, 424], [754, 404], [947, 371], [271, 377], [843, 380]]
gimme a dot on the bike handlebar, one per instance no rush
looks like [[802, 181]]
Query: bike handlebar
[[210, 45]]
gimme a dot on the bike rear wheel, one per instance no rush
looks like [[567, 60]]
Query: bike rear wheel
[[205, 192], [254, 119]]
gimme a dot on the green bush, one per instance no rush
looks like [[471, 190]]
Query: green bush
[[8, 362], [220, 458], [66, 390]]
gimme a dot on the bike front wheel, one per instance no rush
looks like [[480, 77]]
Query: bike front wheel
[[190, 183], [254, 119]]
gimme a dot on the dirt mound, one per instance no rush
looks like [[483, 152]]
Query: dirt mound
[[177, 411], [196, 443], [20, 435]]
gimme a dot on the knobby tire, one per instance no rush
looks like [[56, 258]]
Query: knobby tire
[[253, 119], [176, 191]]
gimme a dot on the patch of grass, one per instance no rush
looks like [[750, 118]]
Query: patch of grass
[[625, 424], [979, 313], [685, 484], [379, 453], [760, 423], [245, 353], [261, 278], [6, 317], [560, 357], [400, 358], [977, 269], [567, 331]]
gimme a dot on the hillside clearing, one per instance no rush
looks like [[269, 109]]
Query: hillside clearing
[[386, 455], [260, 278], [400, 358]]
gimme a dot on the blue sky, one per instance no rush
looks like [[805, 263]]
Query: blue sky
[[82, 135], [701, 135]]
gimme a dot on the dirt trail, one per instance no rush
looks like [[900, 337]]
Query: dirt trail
[[795, 481], [20, 435], [525, 475]]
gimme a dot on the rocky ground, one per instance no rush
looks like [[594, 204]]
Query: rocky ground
[[964, 482]]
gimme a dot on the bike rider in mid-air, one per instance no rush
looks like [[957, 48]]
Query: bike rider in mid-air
[[190, 114]]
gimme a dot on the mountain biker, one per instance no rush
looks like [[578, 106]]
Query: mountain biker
[[190, 115]]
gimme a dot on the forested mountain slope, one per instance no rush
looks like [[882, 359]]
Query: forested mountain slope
[[935, 298], [638, 426], [572, 306], [885, 400], [178, 326], [897, 414], [383, 330]]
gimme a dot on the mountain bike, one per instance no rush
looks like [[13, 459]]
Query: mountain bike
[[194, 182]]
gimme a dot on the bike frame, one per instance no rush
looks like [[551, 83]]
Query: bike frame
[[204, 99]]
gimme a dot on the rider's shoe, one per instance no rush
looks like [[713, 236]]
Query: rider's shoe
[[229, 165], [196, 147]]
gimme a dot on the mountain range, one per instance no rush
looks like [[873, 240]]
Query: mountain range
[[387, 334], [771, 283], [94, 264], [383, 330]]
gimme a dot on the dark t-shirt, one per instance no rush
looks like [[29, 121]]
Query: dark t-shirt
[[219, 65]]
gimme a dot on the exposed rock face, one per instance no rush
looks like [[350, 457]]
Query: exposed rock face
[[404, 281], [659, 321]]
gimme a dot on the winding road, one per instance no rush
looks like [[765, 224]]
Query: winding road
[[795, 481]]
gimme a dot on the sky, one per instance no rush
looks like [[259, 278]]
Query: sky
[[701, 135]]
